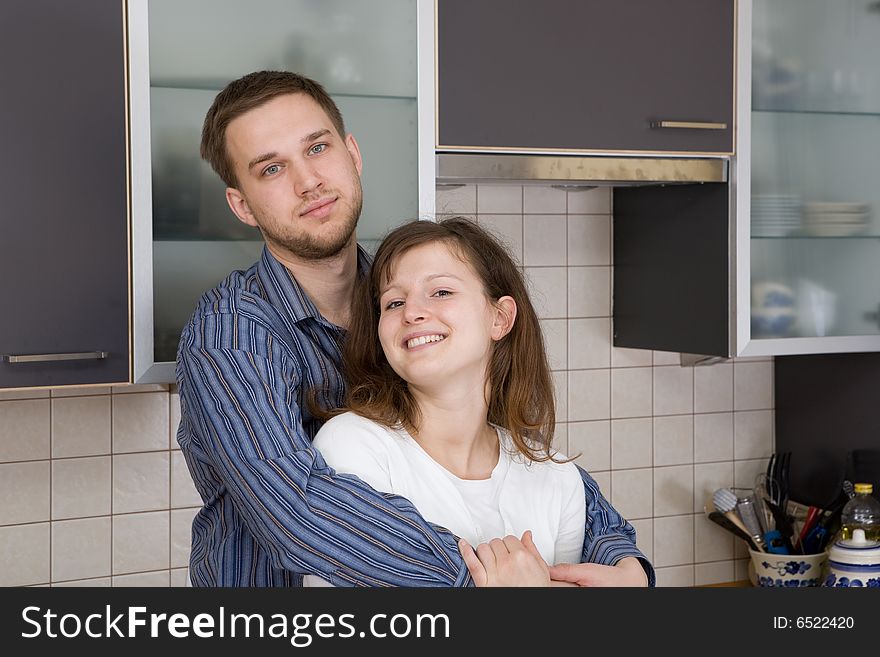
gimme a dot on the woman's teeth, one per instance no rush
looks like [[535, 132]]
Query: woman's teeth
[[423, 339]]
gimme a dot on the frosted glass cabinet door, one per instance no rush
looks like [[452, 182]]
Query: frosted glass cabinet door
[[366, 54], [815, 161]]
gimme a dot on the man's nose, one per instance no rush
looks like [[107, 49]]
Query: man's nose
[[306, 180]]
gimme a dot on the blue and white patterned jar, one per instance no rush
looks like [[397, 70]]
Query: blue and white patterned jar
[[788, 570], [854, 562]]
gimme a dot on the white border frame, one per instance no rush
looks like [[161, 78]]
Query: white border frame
[[426, 108], [145, 370]]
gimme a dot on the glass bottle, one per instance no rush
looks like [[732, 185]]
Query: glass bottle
[[862, 511]]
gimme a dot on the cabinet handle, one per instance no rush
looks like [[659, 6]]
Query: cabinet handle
[[41, 358], [694, 125]]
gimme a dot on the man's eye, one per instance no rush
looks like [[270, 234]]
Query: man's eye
[[271, 170], [318, 148]]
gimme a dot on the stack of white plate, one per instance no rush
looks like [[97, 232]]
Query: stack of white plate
[[775, 215], [835, 219]]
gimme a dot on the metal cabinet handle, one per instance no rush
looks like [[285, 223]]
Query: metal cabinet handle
[[694, 125], [41, 358]]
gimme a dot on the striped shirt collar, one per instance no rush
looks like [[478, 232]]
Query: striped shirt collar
[[283, 291]]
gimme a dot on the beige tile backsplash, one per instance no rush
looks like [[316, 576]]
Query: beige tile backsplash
[[81, 426], [24, 428], [81, 487], [95, 492], [80, 548], [141, 482]]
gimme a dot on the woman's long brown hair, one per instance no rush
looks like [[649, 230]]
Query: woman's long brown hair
[[520, 387]]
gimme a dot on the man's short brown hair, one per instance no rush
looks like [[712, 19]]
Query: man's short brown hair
[[245, 94]]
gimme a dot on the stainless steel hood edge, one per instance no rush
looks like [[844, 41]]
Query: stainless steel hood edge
[[593, 170]]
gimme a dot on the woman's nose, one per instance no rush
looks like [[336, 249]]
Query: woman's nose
[[414, 312]]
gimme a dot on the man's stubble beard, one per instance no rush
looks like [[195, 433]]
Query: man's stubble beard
[[306, 246]]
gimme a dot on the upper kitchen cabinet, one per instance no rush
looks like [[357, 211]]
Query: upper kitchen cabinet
[[808, 220], [793, 254], [600, 76], [63, 175], [376, 59]]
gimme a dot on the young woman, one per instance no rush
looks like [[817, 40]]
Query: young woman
[[450, 403]]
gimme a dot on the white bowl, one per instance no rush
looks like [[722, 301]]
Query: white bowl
[[772, 295], [767, 323]]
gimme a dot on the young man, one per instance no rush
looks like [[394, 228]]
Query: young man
[[262, 339]]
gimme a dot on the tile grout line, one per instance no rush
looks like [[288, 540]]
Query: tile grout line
[[567, 332], [51, 477], [610, 310], [170, 466], [112, 465], [693, 469]]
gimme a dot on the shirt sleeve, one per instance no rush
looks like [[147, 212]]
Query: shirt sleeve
[[242, 405], [570, 537], [609, 537]]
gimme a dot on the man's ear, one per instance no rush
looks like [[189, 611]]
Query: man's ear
[[354, 151], [505, 316], [239, 206]]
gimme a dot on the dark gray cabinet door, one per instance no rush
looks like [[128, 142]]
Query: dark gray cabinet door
[[672, 268], [585, 74], [64, 221]]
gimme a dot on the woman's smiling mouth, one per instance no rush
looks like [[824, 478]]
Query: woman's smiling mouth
[[412, 343]]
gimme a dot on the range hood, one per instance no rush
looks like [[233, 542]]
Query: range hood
[[578, 170]]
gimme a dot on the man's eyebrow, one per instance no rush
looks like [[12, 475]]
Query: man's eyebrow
[[261, 158], [317, 134]]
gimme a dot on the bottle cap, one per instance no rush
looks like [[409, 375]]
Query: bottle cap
[[864, 488]]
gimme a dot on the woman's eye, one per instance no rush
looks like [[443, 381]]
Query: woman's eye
[[442, 293], [391, 305], [318, 148], [271, 170]]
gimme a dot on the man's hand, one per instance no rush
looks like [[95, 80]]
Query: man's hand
[[508, 562], [626, 572]]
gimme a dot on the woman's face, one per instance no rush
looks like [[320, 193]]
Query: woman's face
[[436, 324]]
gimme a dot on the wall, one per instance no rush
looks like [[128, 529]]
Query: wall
[[94, 492]]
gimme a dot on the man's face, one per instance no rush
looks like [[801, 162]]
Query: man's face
[[298, 179]]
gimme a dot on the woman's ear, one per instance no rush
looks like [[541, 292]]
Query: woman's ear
[[505, 316]]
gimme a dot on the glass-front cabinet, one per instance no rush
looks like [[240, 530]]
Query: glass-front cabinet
[[182, 52], [808, 177]]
